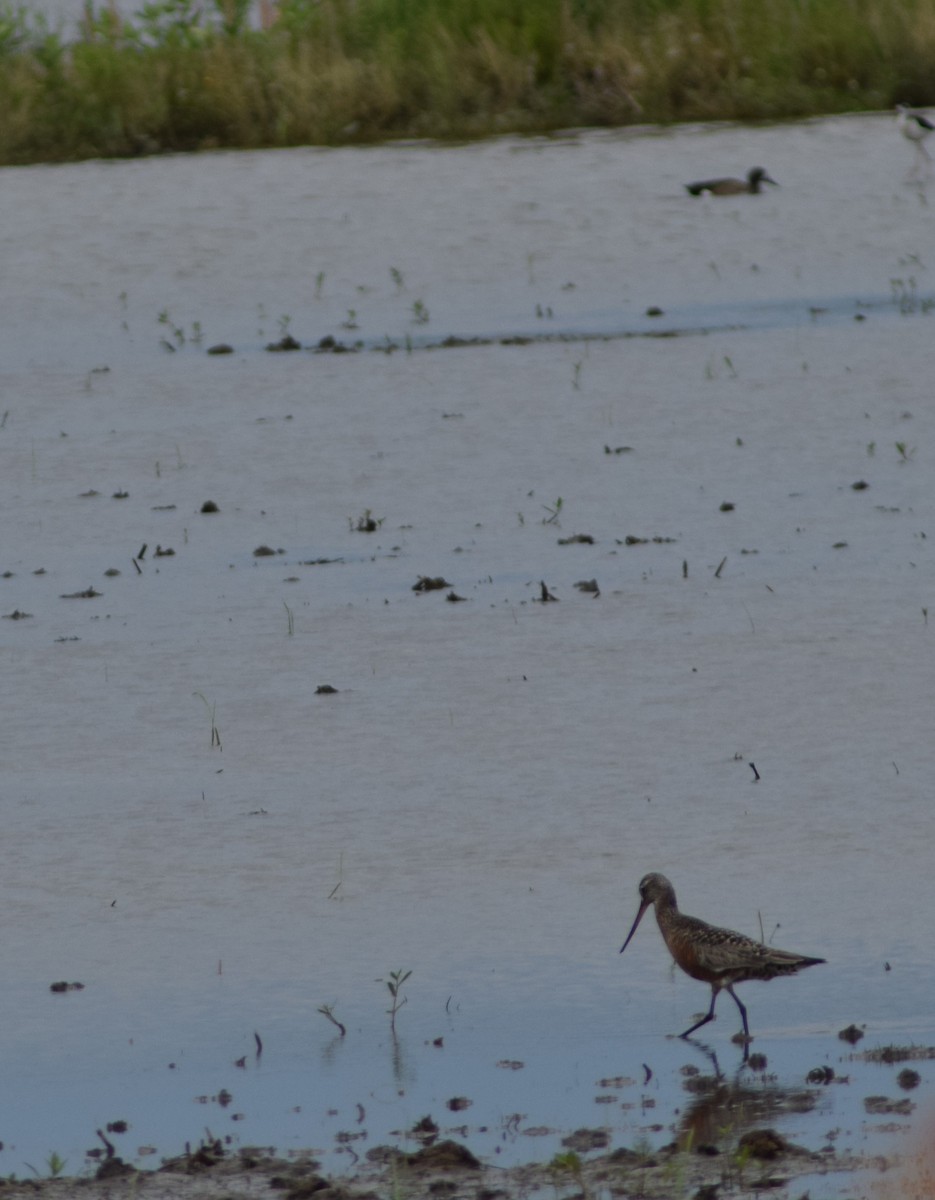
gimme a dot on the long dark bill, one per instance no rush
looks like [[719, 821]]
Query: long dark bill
[[639, 917]]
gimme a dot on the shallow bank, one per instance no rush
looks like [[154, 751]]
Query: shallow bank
[[765, 1161]]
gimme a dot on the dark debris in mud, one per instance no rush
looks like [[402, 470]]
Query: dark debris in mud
[[446, 1168], [851, 1034], [897, 1054], [88, 594], [331, 345], [286, 343], [430, 583], [878, 1105], [766, 1145], [446, 1155], [584, 1140]]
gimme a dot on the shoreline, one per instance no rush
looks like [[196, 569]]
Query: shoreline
[[762, 1160], [199, 77]]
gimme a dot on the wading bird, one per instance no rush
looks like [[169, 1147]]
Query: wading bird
[[915, 127], [716, 956], [732, 187]]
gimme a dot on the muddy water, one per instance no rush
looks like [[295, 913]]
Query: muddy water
[[478, 800]]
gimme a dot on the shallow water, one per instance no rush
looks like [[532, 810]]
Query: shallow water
[[478, 801]]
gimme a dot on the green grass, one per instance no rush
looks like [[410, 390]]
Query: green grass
[[179, 77]]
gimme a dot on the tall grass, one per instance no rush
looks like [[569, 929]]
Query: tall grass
[[192, 74]]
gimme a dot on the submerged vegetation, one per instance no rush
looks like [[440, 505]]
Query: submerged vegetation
[[198, 74]]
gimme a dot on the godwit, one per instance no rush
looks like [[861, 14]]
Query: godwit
[[731, 187], [720, 957], [915, 127]]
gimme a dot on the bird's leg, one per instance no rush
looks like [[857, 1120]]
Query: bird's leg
[[710, 1014], [743, 1013]]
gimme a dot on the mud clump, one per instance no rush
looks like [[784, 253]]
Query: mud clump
[[878, 1105], [851, 1034], [207, 1156], [113, 1168], [430, 583], [315, 1186], [425, 1130], [445, 1155], [898, 1054], [766, 1145], [286, 343], [583, 1140], [87, 594]]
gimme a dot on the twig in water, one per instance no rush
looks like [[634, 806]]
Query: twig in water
[[756, 773], [333, 892], [720, 567], [327, 1010]]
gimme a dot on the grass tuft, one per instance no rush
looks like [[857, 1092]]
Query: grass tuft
[[194, 74]]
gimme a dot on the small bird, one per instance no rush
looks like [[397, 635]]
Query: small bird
[[915, 127], [732, 187], [716, 956]]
